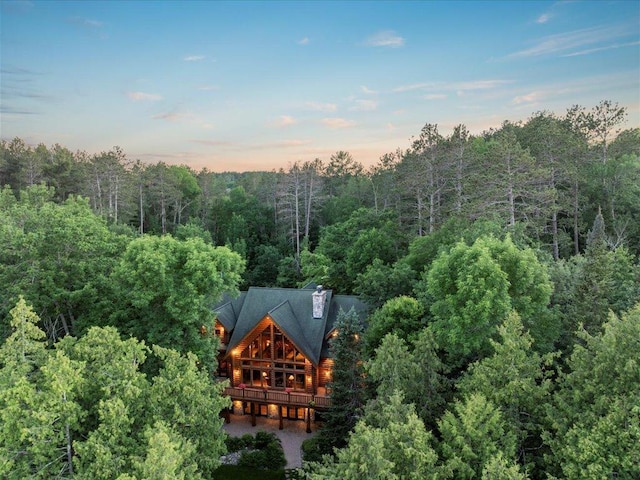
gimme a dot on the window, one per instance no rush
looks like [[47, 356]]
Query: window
[[272, 361]]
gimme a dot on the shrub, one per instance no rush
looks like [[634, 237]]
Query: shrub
[[263, 453], [311, 450]]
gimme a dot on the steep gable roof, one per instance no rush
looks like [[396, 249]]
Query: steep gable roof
[[227, 311], [292, 311]]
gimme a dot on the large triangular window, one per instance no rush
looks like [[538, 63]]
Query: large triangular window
[[271, 360]]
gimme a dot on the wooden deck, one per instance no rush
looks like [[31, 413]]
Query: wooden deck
[[278, 397]]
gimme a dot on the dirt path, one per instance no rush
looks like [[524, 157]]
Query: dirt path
[[291, 436]]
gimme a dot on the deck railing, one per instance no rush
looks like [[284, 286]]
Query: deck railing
[[278, 397]]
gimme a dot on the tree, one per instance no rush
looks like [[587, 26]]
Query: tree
[[186, 398], [347, 385], [86, 409], [474, 288], [514, 380], [595, 416], [510, 182], [370, 245], [422, 173], [471, 295], [380, 283], [415, 370], [389, 443], [162, 291], [39, 411], [337, 245], [499, 468], [472, 435], [402, 316], [56, 255], [552, 143], [168, 456], [607, 281], [299, 196]]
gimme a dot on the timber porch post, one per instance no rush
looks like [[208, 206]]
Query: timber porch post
[[253, 414]]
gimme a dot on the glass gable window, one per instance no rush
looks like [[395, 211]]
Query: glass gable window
[[272, 361]]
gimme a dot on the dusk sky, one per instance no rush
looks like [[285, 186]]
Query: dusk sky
[[259, 85]]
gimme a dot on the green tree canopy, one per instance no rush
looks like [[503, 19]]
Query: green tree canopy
[[163, 290], [473, 289], [401, 315], [596, 415]]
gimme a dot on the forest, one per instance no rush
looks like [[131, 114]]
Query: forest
[[502, 270]]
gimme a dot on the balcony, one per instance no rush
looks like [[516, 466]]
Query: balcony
[[278, 397]]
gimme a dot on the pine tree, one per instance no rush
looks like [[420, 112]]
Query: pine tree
[[347, 387]]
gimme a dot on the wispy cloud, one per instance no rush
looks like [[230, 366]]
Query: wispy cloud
[[600, 49], [452, 86], [565, 44], [338, 123], [213, 143], [434, 96], [364, 105], [386, 38], [208, 88], [321, 107], [414, 86], [367, 90], [143, 97], [16, 111], [479, 84], [86, 22], [544, 18], [529, 98], [172, 116], [283, 121], [303, 41], [194, 58]]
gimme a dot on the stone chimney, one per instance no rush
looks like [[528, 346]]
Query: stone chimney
[[319, 298]]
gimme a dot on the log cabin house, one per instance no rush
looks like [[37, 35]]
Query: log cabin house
[[275, 349]]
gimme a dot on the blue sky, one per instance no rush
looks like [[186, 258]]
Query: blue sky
[[259, 85]]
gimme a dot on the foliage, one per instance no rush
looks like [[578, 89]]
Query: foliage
[[39, 406], [380, 283], [85, 409], [234, 472], [595, 416], [417, 373], [347, 386], [162, 290], [475, 287], [514, 379], [262, 452], [390, 443], [57, 256], [472, 435], [401, 316]]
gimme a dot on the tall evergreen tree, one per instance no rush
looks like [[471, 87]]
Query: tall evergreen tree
[[347, 385]]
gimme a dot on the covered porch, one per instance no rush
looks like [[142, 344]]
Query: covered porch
[[277, 403]]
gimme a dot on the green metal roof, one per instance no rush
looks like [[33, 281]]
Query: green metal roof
[[292, 310]]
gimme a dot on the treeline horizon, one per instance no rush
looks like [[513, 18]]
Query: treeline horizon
[[548, 176]]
